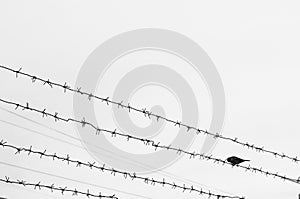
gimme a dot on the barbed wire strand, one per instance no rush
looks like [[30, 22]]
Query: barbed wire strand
[[113, 155], [52, 188], [149, 114], [113, 171], [152, 143], [74, 180]]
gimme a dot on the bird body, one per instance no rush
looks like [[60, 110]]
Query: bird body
[[235, 160]]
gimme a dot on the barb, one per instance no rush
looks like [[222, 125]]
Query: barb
[[112, 171], [149, 114], [52, 188], [152, 143]]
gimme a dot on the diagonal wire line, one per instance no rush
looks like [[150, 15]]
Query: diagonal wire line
[[52, 187], [113, 171], [72, 180], [149, 114], [152, 143], [113, 155]]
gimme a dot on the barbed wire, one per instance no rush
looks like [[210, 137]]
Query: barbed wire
[[113, 155], [52, 188], [113, 171], [52, 175], [149, 114], [152, 143]]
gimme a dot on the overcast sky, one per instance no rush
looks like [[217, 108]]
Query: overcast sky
[[254, 47]]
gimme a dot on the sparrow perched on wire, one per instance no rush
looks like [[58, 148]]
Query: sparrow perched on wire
[[235, 160]]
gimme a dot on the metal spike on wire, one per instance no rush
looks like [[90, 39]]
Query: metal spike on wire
[[103, 168], [52, 187], [152, 143], [149, 114]]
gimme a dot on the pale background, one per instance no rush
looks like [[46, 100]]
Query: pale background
[[254, 46]]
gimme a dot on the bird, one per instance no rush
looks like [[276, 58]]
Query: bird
[[235, 160]]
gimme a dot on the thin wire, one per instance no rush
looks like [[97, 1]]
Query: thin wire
[[149, 114]]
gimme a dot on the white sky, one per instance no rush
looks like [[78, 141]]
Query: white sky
[[254, 46]]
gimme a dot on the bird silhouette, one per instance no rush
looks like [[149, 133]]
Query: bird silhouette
[[235, 160]]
